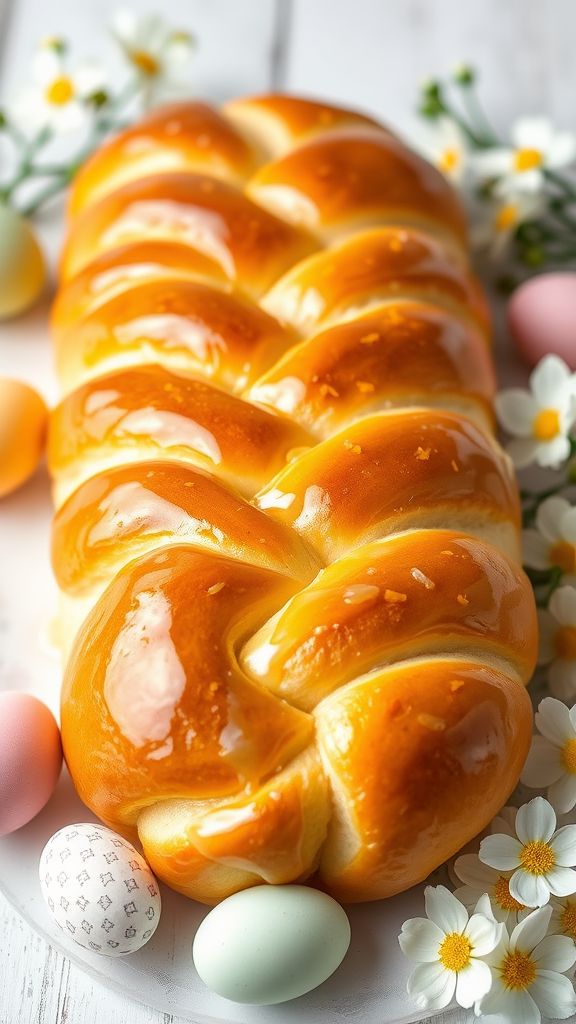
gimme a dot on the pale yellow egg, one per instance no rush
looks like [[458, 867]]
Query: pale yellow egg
[[23, 422], [22, 267]]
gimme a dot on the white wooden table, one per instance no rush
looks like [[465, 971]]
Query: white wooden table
[[370, 53]]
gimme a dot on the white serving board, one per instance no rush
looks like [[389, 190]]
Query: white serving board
[[369, 986]]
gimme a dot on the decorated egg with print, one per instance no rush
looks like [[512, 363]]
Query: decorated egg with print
[[99, 889]]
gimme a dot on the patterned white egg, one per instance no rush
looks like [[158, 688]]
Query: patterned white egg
[[99, 889]]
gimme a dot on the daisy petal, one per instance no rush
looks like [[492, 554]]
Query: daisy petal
[[562, 150], [561, 881], [535, 820], [420, 940], [516, 410], [444, 909], [563, 605], [548, 379], [535, 550], [569, 525], [553, 721], [493, 162], [554, 994], [515, 1005], [553, 453], [531, 890], [562, 794], [531, 930], [483, 934], [431, 986], [543, 764], [470, 870], [469, 895], [500, 852], [522, 451], [555, 953], [550, 515], [473, 983], [532, 133], [564, 846]]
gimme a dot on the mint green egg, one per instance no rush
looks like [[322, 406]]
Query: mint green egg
[[271, 943]]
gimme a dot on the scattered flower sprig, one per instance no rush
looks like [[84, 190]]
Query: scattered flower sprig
[[522, 875], [541, 422], [521, 200], [77, 99]]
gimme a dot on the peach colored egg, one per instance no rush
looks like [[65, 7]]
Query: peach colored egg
[[542, 317], [30, 758], [23, 423]]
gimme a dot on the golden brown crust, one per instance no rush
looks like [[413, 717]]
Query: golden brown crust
[[357, 177], [153, 682], [277, 460], [371, 268], [417, 593], [182, 325], [120, 514], [443, 470], [149, 412], [278, 122], [399, 354], [421, 756], [179, 137], [251, 245]]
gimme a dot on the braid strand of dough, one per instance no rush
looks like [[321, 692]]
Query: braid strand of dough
[[287, 542]]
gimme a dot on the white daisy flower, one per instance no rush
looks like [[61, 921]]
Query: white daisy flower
[[159, 54], [563, 920], [540, 419], [496, 219], [552, 758], [446, 946], [478, 879], [540, 859], [558, 642], [536, 147], [528, 979], [446, 146], [553, 543], [58, 98]]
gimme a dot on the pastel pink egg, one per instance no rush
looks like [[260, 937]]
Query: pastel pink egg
[[542, 317], [30, 758]]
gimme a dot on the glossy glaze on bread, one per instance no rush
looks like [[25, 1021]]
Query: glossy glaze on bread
[[286, 539]]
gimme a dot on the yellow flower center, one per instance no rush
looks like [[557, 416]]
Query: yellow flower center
[[537, 857], [527, 159], [145, 62], [60, 91], [568, 919], [569, 756], [455, 952], [449, 160], [546, 424], [503, 897], [518, 970], [563, 554], [506, 217]]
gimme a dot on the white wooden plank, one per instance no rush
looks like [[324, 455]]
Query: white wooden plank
[[374, 53], [236, 41]]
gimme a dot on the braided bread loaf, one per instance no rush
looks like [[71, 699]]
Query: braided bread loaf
[[282, 516]]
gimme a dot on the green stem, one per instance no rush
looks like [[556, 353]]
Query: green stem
[[483, 130], [51, 190]]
